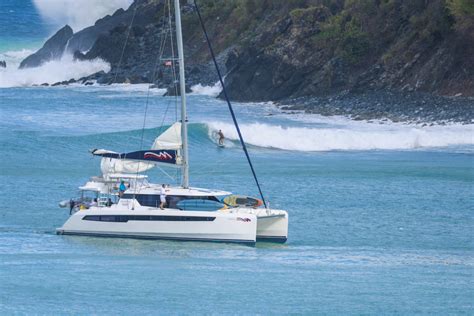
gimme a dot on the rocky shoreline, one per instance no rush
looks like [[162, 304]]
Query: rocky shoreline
[[399, 61], [413, 107]]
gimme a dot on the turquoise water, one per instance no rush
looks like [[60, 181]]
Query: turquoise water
[[371, 231], [21, 26]]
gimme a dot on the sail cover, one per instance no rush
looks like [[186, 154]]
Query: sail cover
[[149, 156], [165, 150]]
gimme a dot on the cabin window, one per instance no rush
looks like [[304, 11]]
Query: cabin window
[[91, 218], [108, 218], [152, 200], [194, 203], [199, 205]]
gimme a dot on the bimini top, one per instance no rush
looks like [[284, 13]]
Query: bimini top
[[155, 189]]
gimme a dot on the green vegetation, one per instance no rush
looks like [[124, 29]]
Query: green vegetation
[[463, 11], [461, 8], [344, 34], [356, 31]]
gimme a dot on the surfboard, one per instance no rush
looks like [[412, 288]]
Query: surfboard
[[241, 200]]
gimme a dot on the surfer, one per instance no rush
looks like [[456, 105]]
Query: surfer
[[221, 138]]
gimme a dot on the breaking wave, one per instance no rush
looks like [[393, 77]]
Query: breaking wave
[[212, 91], [358, 137], [50, 72]]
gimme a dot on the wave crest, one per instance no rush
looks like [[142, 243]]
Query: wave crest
[[361, 137]]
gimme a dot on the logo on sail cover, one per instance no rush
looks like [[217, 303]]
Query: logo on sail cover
[[161, 156], [244, 219]]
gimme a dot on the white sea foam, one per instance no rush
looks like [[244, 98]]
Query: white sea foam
[[212, 91], [50, 72], [360, 136], [77, 14], [13, 58], [123, 90]]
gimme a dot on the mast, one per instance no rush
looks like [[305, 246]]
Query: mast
[[182, 90], [231, 110]]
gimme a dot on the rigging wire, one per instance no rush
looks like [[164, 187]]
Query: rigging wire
[[155, 67], [125, 44], [244, 147]]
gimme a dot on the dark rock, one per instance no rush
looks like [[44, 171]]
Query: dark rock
[[145, 14], [45, 84], [83, 40], [56, 84], [52, 49], [387, 105], [298, 49], [79, 56], [3, 64]]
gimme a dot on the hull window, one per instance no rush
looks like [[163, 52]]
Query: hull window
[[126, 218]]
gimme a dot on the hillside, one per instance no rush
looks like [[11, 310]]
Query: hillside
[[279, 50]]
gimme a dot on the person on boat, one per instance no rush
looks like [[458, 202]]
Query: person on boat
[[221, 137], [93, 203], [163, 197], [122, 188], [72, 203]]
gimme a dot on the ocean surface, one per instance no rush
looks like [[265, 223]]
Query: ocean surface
[[381, 214]]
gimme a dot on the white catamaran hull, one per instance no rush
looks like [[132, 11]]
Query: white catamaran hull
[[273, 228], [162, 224], [242, 225], [272, 225]]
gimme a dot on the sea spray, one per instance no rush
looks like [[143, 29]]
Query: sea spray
[[50, 72], [77, 14], [212, 91], [14, 57]]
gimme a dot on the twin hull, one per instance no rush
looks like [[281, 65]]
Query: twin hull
[[243, 226]]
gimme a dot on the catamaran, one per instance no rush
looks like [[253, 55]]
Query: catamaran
[[189, 213]]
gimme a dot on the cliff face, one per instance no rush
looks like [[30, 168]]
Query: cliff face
[[319, 49], [52, 49], [65, 41], [274, 50]]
